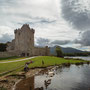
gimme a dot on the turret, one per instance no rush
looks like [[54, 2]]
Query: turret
[[32, 30], [25, 26], [15, 31]]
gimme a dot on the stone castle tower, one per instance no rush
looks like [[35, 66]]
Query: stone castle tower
[[24, 38], [23, 44]]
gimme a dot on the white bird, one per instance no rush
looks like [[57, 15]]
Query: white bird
[[51, 74]]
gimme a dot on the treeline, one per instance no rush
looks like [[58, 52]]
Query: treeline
[[3, 47], [77, 54], [60, 53]]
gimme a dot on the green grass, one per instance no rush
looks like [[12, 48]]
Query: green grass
[[10, 66], [48, 60]]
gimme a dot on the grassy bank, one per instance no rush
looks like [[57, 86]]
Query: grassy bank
[[48, 60], [10, 66]]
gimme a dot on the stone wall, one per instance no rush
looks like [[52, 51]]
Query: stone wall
[[8, 54], [38, 51], [23, 44], [11, 45]]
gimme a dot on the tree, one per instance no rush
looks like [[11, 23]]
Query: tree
[[59, 52], [3, 47]]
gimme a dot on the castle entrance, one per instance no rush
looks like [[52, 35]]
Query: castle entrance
[[23, 54], [28, 54]]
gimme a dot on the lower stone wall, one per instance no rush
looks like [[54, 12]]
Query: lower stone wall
[[36, 51], [7, 54], [41, 51]]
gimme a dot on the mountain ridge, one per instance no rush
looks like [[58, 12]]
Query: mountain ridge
[[65, 50]]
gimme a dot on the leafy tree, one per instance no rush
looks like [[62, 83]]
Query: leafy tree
[[3, 47], [59, 52]]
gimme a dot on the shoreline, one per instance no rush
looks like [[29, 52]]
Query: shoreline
[[28, 75], [9, 82]]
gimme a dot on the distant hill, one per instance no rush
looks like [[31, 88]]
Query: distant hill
[[71, 50], [65, 50]]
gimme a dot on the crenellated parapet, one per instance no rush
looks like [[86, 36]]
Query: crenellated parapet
[[15, 31], [32, 30]]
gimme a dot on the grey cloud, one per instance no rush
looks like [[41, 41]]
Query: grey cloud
[[38, 20], [13, 11], [60, 42], [5, 3], [5, 38], [47, 42], [79, 19], [47, 21], [42, 42], [85, 39]]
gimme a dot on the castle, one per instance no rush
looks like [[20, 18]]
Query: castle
[[23, 44]]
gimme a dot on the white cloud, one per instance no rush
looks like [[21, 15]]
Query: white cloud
[[56, 31], [6, 30], [44, 16]]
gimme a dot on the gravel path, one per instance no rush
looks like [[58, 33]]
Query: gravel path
[[18, 60]]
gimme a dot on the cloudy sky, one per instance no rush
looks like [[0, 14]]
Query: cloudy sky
[[56, 22]]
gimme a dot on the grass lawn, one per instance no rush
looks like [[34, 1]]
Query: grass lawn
[[10, 66], [48, 60]]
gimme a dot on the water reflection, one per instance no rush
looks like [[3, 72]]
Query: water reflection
[[26, 84], [47, 83], [71, 78]]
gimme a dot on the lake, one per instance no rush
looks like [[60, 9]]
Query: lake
[[78, 57], [65, 78]]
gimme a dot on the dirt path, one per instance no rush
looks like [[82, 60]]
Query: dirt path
[[18, 60]]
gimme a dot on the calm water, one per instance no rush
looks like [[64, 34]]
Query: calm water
[[72, 78], [65, 78], [84, 58]]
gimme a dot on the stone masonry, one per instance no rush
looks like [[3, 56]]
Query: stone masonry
[[23, 44]]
